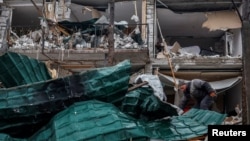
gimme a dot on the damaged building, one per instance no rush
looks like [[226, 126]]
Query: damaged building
[[173, 39]]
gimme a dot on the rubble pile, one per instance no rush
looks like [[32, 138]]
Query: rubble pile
[[78, 36]]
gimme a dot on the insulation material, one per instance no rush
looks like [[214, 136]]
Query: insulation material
[[222, 20]]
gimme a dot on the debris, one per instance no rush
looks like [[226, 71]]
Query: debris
[[52, 71], [234, 120], [176, 47]]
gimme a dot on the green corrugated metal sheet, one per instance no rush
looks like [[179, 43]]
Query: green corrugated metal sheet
[[26, 106], [64, 109], [91, 121], [142, 103], [204, 117], [17, 69], [99, 121], [186, 126]]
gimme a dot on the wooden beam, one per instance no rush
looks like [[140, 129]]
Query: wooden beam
[[138, 85], [75, 66], [111, 33], [143, 19]]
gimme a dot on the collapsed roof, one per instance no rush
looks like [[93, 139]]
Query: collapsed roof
[[47, 103]]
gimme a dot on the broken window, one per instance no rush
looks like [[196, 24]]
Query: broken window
[[213, 33]]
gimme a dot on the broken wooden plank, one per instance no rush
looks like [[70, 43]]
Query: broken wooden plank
[[137, 86], [75, 66]]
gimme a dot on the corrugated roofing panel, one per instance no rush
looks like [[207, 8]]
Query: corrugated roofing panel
[[28, 105], [17, 69], [99, 121]]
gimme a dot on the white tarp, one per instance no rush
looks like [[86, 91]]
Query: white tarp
[[217, 85], [155, 83]]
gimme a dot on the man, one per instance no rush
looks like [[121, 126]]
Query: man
[[201, 91]]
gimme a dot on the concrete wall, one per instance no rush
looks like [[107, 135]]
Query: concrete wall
[[237, 43]]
